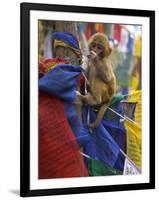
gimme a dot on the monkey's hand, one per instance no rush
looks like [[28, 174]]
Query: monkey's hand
[[92, 125], [93, 54]]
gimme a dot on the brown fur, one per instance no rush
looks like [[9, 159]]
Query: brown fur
[[100, 75]]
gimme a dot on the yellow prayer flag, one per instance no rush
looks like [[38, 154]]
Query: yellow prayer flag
[[133, 142], [137, 47], [136, 96], [134, 83]]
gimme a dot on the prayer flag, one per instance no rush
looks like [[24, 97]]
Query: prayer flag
[[137, 48], [98, 168], [136, 97], [61, 81], [133, 142], [59, 155], [130, 168]]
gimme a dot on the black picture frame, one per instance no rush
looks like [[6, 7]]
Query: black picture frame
[[25, 9]]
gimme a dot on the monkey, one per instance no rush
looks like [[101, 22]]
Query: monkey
[[101, 80]]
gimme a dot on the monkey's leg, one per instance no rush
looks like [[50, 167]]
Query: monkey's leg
[[100, 115]]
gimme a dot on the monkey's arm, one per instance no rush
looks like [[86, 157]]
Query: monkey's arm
[[103, 70]]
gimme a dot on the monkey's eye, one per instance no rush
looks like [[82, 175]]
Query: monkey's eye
[[98, 46]]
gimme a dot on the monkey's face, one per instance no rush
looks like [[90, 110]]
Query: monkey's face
[[97, 48], [100, 45]]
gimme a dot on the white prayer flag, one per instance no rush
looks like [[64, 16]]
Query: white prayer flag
[[130, 168]]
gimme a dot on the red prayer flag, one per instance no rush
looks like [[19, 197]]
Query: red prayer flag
[[59, 153]]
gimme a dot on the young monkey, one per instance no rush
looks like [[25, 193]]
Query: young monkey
[[100, 76]]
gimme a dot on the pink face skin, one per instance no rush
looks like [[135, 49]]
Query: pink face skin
[[96, 49]]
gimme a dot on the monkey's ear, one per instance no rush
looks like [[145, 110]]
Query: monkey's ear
[[108, 51]]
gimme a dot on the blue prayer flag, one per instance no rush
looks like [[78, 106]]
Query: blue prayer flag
[[61, 81]]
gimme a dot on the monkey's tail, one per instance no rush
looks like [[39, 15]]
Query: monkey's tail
[[100, 115]]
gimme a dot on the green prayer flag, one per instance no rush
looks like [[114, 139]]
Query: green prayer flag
[[97, 168]]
